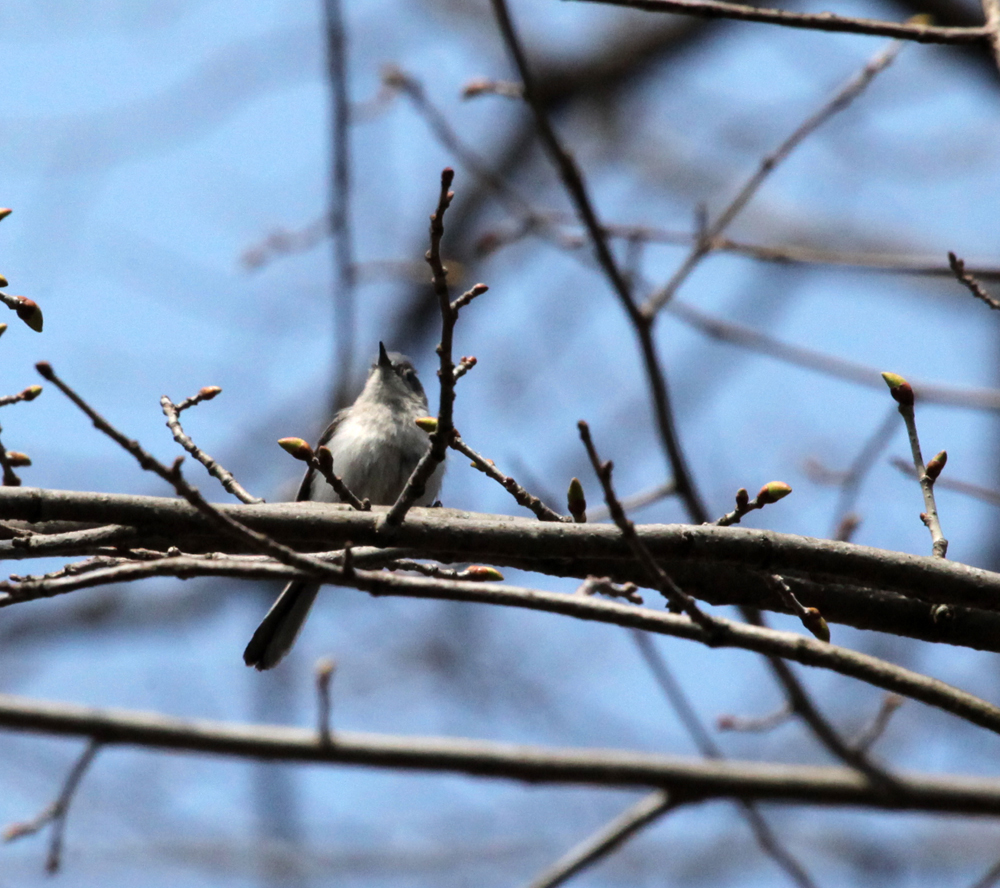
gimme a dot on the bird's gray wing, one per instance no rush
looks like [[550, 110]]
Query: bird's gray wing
[[304, 492]]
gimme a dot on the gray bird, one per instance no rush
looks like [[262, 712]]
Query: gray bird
[[375, 445]]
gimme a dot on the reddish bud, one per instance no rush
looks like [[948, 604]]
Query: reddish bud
[[899, 388], [325, 457], [935, 466], [29, 312], [17, 459], [31, 392], [5, 212], [3, 281], [813, 620], [742, 499], [772, 492], [206, 393], [296, 447], [3, 329], [45, 368]]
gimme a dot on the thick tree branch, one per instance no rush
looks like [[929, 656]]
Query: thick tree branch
[[688, 779]]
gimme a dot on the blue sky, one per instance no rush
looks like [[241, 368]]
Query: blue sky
[[147, 146]]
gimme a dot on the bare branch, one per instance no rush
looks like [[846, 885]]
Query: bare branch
[[860, 374], [678, 598], [681, 705], [345, 283], [642, 323], [902, 393], [441, 436], [56, 813], [542, 511], [10, 478], [915, 30], [690, 779], [703, 246], [958, 266], [647, 810], [172, 412]]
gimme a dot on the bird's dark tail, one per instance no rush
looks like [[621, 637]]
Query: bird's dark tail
[[278, 630]]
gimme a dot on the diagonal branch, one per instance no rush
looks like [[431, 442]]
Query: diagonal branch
[[703, 246], [577, 191], [917, 31]]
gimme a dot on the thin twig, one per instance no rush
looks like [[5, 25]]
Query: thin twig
[[230, 526], [967, 279], [324, 675], [902, 393], [918, 31], [887, 262], [606, 586], [172, 412], [866, 739], [397, 79], [703, 246], [56, 812], [781, 254], [677, 597], [642, 323], [74, 541], [322, 462], [647, 810], [542, 511], [479, 573], [800, 701], [770, 493], [811, 618], [10, 478], [758, 724], [345, 281], [976, 491], [28, 394], [721, 633], [860, 374], [441, 436], [707, 746]]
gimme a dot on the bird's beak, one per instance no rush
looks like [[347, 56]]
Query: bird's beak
[[383, 356]]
